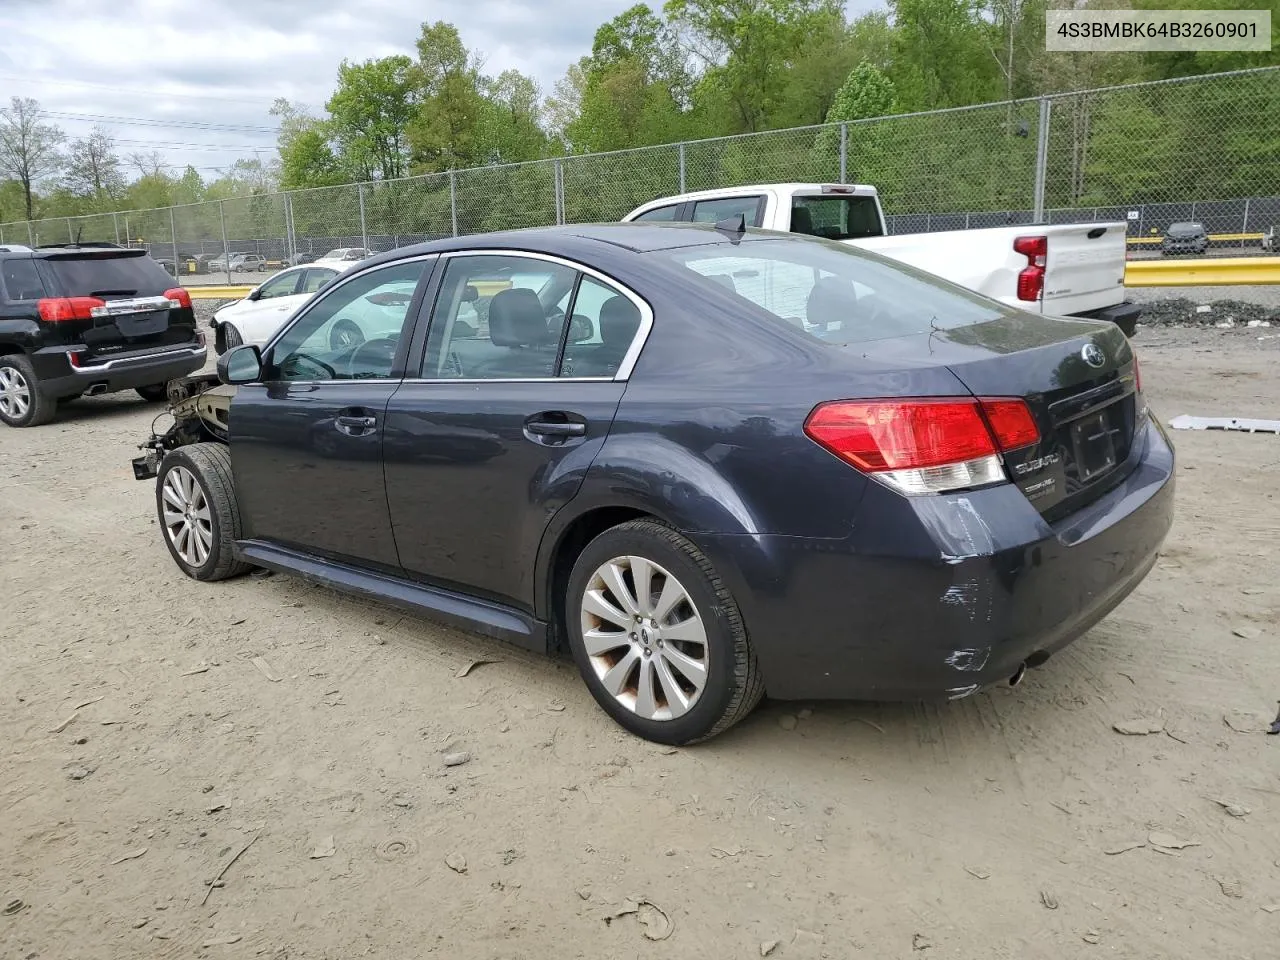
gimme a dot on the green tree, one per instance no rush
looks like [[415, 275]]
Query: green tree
[[510, 128], [93, 168], [28, 147], [445, 132], [374, 103], [746, 49], [307, 157]]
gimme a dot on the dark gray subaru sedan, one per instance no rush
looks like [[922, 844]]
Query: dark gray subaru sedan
[[712, 463]]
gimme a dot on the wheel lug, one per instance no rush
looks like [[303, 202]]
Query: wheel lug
[[634, 637], [659, 643], [648, 652]]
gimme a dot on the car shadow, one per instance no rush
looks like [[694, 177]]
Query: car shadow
[[105, 406]]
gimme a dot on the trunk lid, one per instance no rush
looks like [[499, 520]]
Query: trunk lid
[[1077, 377], [137, 312]]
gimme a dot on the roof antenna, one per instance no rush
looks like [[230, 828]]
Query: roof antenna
[[735, 227]]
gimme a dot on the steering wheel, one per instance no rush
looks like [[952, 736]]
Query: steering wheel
[[300, 361], [344, 335], [380, 351]]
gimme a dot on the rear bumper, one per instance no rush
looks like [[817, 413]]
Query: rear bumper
[[972, 586], [1123, 315], [59, 379]]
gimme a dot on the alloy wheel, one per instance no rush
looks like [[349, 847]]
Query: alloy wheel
[[15, 393], [188, 521], [645, 638]]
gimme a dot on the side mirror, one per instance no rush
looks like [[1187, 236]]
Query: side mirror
[[255, 294], [242, 364]]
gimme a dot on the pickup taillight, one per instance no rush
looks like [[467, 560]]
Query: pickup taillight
[[1031, 278]]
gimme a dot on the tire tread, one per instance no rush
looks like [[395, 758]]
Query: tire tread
[[212, 462]]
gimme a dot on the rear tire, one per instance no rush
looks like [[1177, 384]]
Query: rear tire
[[22, 402], [199, 515], [671, 663], [154, 393]]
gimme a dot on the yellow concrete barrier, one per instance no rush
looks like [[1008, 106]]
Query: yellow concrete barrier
[[217, 293], [1219, 271], [1213, 238]]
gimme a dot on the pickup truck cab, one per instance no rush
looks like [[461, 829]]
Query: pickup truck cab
[[1074, 269]]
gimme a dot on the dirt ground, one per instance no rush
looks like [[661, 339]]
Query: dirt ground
[[151, 727]]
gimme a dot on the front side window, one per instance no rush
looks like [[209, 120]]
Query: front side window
[[352, 332], [317, 279], [283, 285], [498, 317], [713, 211], [834, 292]]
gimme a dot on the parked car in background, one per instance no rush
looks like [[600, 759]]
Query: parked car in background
[[1074, 269], [248, 263], [1185, 238], [346, 255], [88, 320], [714, 463], [301, 257], [260, 314]]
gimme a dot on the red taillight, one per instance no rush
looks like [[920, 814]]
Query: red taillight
[[924, 446], [1011, 423], [1137, 375], [1031, 278], [61, 309], [178, 297]]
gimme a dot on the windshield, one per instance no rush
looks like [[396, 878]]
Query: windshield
[[836, 218], [836, 293]]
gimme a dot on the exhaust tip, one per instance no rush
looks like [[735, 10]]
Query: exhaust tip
[[1018, 675], [96, 389]]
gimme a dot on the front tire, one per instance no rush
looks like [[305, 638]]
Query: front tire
[[657, 636], [22, 403], [196, 503]]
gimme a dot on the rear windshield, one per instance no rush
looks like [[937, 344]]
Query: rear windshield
[[98, 274], [836, 293], [836, 218], [1186, 228]]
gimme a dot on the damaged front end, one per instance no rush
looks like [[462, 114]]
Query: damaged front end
[[199, 406]]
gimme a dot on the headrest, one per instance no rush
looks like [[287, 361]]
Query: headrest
[[516, 319], [801, 220], [830, 301], [619, 321], [470, 294]]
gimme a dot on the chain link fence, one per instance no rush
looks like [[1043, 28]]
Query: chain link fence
[[1203, 149]]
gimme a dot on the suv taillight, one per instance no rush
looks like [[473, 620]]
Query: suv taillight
[[178, 297], [1031, 279], [927, 445], [61, 309]]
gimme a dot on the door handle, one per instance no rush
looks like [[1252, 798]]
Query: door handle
[[355, 426], [546, 428]]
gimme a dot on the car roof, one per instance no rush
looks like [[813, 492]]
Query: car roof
[[579, 239]]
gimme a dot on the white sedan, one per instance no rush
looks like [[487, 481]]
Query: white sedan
[[260, 314]]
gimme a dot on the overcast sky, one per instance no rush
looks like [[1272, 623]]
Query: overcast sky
[[196, 67]]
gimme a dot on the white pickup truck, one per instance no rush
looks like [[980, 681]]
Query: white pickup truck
[[1074, 269]]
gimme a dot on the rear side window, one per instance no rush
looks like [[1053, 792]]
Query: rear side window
[[713, 211], [660, 214], [317, 279], [836, 293], [98, 275], [21, 280], [836, 218]]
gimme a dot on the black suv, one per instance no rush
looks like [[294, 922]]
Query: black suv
[[88, 319]]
